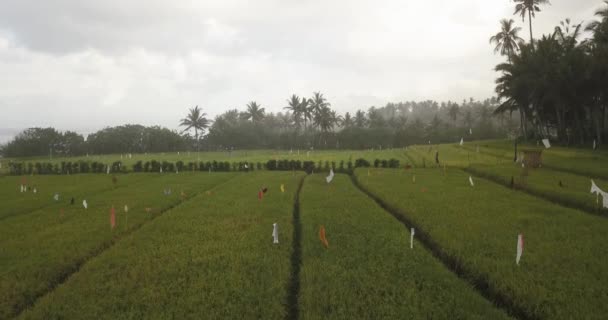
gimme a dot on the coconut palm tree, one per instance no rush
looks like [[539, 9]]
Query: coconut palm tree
[[317, 103], [453, 112], [507, 40], [600, 28], [360, 119], [293, 106], [529, 8], [254, 112], [305, 111], [195, 120], [347, 121]]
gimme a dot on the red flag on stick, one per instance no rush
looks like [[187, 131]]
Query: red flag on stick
[[112, 217], [322, 237], [260, 195]]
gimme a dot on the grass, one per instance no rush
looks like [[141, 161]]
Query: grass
[[560, 275], [369, 270], [42, 248], [211, 257]]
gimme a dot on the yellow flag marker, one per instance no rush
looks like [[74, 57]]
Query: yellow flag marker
[[282, 188]]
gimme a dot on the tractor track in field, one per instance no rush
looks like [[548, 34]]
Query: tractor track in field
[[74, 268], [293, 288], [452, 263], [564, 202]]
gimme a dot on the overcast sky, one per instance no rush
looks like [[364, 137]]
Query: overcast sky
[[84, 65]]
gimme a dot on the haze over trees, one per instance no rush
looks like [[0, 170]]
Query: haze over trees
[[305, 123]]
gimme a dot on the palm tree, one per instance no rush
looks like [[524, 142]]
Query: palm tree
[[453, 111], [254, 112], [347, 121], [507, 40], [293, 105], [317, 103], [600, 28], [305, 111], [360, 119], [529, 8], [195, 120]]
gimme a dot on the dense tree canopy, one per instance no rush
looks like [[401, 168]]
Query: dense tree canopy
[[559, 83]]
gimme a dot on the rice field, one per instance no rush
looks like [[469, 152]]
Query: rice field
[[200, 245]]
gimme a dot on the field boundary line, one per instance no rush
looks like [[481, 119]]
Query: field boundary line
[[75, 268], [452, 263], [293, 288], [564, 202]]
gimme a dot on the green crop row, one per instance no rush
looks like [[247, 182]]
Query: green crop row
[[561, 274], [41, 248], [369, 271], [14, 202], [212, 257], [565, 188]]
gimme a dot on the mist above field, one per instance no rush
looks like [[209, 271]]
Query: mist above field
[[85, 65]]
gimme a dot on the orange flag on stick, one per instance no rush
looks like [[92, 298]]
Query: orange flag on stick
[[112, 217], [322, 237]]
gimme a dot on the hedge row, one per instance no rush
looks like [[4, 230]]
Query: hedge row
[[20, 168]]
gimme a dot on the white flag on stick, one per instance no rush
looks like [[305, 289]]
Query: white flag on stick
[[599, 192], [84, 204], [56, 197], [108, 170], [461, 141], [22, 188], [412, 233], [471, 181], [330, 176], [520, 248], [546, 143], [275, 233], [126, 209], [594, 145], [470, 130]]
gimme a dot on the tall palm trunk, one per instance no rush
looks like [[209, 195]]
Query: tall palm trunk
[[196, 137], [523, 123], [530, 22]]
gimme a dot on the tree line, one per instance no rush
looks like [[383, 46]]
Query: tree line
[[312, 123], [305, 123], [558, 83], [121, 139]]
